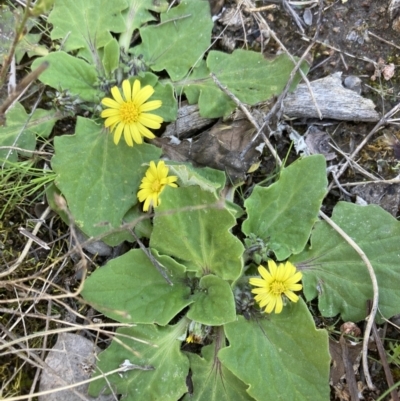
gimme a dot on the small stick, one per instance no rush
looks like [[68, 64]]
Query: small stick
[[34, 238], [27, 246], [20, 88], [350, 376], [371, 317], [382, 355], [380, 123], [250, 118], [263, 8], [383, 40]]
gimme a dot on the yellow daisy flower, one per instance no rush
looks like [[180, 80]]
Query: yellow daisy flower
[[153, 184], [128, 113], [279, 281]]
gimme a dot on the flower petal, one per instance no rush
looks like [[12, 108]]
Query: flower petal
[[149, 106], [265, 274], [292, 296], [272, 268], [128, 136], [118, 132], [135, 89], [110, 112], [110, 103], [258, 282], [112, 121], [117, 95], [136, 134], [127, 89], [150, 120], [144, 131], [279, 305], [271, 305], [143, 95]]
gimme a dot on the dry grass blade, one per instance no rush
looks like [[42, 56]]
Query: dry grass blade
[[371, 317]]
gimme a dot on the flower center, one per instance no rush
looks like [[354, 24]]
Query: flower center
[[129, 112], [156, 186], [277, 288]]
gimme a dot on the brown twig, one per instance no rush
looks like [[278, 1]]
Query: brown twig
[[382, 355], [380, 123], [250, 118], [350, 376], [18, 34]]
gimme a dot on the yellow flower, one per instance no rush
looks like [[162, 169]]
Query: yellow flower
[[128, 114], [279, 281], [153, 184]]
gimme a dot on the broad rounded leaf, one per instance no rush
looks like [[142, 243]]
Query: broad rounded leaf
[[98, 178], [86, 24], [250, 76], [206, 178], [167, 379], [212, 381], [246, 74], [333, 271], [184, 34], [69, 73], [283, 214], [193, 226], [131, 289], [214, 304], [22, 129], [282, 357]]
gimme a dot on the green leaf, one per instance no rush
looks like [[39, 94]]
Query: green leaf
[[214, 303], [246, 74], [166, 382], [111, 57], [206, 178], [131, 289], [335, 272], [212, 381], [21, 130], [8, 22], [70, 73], [282, 357], [283, 214], [86, 24], [250, 76], [137, 15], [29, 44], [98, 191], [200, 88], [184, 34], [141, 223], [192, 226]]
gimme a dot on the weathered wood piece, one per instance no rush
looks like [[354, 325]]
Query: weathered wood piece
[[188, 122], [334, 101]]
